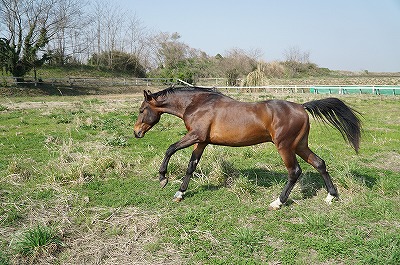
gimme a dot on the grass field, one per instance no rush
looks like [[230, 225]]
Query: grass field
[[77, 188]]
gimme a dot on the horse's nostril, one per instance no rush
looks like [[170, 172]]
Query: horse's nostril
[[138, 134]]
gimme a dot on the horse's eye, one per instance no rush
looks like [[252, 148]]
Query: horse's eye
[[141, 110]]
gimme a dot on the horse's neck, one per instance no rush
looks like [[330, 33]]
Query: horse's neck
[[177, 105]]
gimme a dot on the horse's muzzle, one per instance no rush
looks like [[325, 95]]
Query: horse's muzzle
[[138, 134]]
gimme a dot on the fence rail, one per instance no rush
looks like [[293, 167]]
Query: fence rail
[[356, 89], [76, 81], [320, 89], [217, 84]]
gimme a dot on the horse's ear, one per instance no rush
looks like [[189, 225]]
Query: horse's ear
[[147, 95]]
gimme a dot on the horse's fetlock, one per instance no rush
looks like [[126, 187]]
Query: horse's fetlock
[[330, 197], [275, 205]]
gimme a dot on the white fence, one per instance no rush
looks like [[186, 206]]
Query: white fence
[[217, 83], [320, 89]]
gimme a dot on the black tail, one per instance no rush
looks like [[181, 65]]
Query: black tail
[[340, 116]]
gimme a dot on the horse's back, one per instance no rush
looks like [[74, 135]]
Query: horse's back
[[236, 123], [225, 121]]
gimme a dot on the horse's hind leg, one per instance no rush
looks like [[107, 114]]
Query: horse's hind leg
[[194, 160], [294, 170], [319, 164]]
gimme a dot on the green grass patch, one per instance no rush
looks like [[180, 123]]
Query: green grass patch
[[73, 163]]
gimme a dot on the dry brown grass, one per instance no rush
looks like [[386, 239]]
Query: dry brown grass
[[95, 235], [115, 236]]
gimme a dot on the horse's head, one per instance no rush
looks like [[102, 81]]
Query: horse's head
[[148, 115]]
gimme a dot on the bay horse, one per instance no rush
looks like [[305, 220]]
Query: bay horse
[[213, 118]]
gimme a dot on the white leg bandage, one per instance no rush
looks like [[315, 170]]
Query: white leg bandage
[[179, 195], [329, 199], [275, 205]]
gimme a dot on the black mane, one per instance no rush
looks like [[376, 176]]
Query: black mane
[[173, 90]]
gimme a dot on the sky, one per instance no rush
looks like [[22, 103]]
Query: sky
[[352, 35]]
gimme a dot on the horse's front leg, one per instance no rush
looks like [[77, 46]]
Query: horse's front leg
[[188, 140], [194, 160]]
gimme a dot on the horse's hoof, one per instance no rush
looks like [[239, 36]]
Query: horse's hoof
[[178, 196], [163, 182], [273, 208], [275, 205], [177, 199]]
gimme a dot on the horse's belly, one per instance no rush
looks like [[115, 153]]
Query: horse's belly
[[239, 137]]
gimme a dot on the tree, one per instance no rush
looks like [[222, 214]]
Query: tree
[[294, 54], [6, 54], [296, 61], [122, 63], [236, 64], [136, 41], [257, 77], [29, 26], [109, 28], [170, 51], [69, 42]]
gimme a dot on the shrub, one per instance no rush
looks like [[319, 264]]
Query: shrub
[[257, 77]]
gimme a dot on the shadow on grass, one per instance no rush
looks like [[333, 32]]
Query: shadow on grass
[[310, 182], [48, 89], [365, 178], [206, 187]]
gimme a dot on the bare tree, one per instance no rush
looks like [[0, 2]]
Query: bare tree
[[110, 28], [68, 42], [296, 60], [236, 64], [29, 26], [169, 49], [136, 41]]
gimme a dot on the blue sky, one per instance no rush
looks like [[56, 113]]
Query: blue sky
[[350, 35]]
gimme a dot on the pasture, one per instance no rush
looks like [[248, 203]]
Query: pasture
[[76, 187]]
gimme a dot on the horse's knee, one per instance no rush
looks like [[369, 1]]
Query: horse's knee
[[294, 173], [191, 167], [320, 165]]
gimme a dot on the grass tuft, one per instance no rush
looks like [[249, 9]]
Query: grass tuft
[[21, 169], [3, 108], [38, 241], [247, 240], [4, 260]]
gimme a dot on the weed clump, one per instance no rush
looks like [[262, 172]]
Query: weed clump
[[36, 242], [75, 165], [20, 169]]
